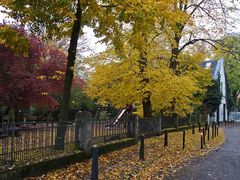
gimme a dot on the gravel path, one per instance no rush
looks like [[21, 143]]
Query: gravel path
[[222, 164]]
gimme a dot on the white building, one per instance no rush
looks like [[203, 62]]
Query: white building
[[217, 69]]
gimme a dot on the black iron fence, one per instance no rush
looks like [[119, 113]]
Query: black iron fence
[[103, 132], [153, 125], [23, 143]]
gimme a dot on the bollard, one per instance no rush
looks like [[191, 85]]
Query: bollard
[[94, 174], [233, 121], [141, 152], [212, 131], [206, 126], [165, 139], [183, 139], [204, 133], [208, 136], [217, 130], [225, 122], [201, 140], [199, 127], [193, 128]]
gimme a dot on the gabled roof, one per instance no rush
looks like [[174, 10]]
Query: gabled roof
[[214, 65]]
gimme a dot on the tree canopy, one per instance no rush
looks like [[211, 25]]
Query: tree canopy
[[142, 32], [230, 51], [212, 98], [120, 81], [33, 77]]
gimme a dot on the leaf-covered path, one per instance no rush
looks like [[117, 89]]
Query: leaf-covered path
[[221, 164], [125, 164]]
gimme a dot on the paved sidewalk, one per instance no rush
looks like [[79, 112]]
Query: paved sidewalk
[[222, 164]]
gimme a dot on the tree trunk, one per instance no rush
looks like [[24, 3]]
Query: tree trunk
[[175, 53], [68, 78], [147, 107]]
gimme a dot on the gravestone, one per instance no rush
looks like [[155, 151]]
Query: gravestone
[[83, 133]]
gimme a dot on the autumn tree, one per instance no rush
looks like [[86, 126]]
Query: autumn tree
[[212, 98], [30, 78], [230, 51], [148, 54], [200, 22], [197, 21], [67, 18], [125, 85], [12, 39]]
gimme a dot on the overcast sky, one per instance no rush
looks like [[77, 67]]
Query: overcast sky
[[93, 42]]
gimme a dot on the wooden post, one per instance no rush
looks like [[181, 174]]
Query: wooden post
[[201, 137], [165, 138], [193, 128], [183, 139], [141, 152], [204, 133]]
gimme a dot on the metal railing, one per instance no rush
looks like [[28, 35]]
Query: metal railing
[[102, 132], [24, 143]]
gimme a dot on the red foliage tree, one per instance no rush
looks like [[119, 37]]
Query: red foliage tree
[[31, 79]]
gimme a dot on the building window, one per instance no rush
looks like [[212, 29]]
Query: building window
[[208, 65]]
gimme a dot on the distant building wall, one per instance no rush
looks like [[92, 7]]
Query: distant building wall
[[218, 70]]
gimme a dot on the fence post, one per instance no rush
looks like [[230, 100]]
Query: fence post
[[190, 119], [159, 128], [165, 138], [200, 118], [141, 152], [136, 125], [215, 130], [201, 140], [94, 171], [84, 131], [193, 128], [177, 122], [183, 139], [52, 126], [130, 128], [206, 126], [212, 131], [199, 127], [12, 142], [204, 133], [208, 129], [60, 136]]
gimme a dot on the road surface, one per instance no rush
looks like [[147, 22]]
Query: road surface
[[222, 164]]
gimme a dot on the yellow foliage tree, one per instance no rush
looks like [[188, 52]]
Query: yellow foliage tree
[[140, 73], [120, 81]]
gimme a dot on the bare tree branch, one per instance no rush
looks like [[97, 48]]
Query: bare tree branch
[[208, 41], [196, 6]]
